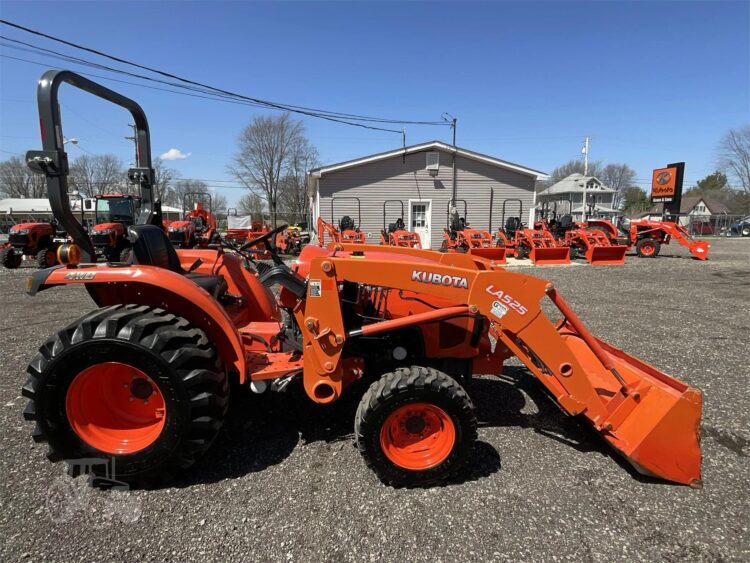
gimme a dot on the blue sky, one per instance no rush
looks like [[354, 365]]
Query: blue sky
[[651, 83]]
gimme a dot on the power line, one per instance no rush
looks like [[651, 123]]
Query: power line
[[348, 119]]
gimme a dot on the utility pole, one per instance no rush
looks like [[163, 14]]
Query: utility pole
[[134, 138], [452, 121], [585, 152]]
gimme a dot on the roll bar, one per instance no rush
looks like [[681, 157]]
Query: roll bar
[[448, 210], [520, 211], [52, 160], [359, 209], [385, 204], [204, 196]]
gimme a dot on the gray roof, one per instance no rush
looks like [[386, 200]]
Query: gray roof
[[574, 184], [431, 145]]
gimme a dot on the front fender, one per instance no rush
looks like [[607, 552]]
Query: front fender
[[155, 287]]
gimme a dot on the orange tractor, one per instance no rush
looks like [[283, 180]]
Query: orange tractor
[[347, 230], [648, 236], [587, 240], [459, 237], [113, 214], [145, 377], [395, 234], [198, 228], [538, 244], [36, 241]]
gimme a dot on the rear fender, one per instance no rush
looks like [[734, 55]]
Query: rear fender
[[155, 287]]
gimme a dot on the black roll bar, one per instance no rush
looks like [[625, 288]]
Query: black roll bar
[[52, 161], [385, 203], [359, 209]]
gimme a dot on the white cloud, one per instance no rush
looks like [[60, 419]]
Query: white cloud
[[175, 154]]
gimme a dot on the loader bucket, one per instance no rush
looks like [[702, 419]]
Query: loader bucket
[[556, 255], [656, 426], [496, 254], [699, 249], [606, 255]]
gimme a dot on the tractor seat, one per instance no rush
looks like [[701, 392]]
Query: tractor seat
[[151, 247]]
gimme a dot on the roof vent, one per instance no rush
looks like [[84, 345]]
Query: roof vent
[[433, 163]]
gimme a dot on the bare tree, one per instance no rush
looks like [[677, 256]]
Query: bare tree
[[186, 193], [734, 156], [293, 201], [619, 177], [163, 179], [17, 180], [573, 166], [265, 148], [98, 174], [250, 204]]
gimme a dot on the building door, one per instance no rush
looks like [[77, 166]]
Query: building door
[[420, 219]]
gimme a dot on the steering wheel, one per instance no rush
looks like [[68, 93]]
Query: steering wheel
[[269, 241]]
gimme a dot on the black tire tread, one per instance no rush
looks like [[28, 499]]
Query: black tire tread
[[177, 342], [401, 383]]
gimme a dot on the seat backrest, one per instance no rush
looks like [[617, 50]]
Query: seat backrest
[[151, 247]]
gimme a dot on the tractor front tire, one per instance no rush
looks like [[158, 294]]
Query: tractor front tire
[[10, 258], [129, 384], [415, 427], [647, 248], [45, 258]]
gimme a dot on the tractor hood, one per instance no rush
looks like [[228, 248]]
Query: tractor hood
[[31, 227], [102, 227]]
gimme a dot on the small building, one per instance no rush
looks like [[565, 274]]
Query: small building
[[566, 196], [38, 210], [417, 181], [693, 209]]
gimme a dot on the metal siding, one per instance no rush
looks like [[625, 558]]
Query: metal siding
[[406, 178]]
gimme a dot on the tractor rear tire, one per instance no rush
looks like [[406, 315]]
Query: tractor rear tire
[[522, 252], [91, 383], [574, 253], [10, 258], [647, 248], [444, 246], [415, 427], [45, 258]]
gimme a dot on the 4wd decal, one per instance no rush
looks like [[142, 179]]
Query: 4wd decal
[[499, 307], [80, 275], [439, 279]]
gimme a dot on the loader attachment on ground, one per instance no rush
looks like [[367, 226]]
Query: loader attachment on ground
[[496, 255], [557, 255], [650, 418], [699, 249], [606, 255]]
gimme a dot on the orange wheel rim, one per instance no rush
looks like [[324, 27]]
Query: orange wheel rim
[[417, 436], [115, 408], [648, 248]]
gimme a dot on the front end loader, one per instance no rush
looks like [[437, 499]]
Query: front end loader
[[145, 377]]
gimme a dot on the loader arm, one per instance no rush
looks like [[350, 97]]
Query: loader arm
[[647, 416]]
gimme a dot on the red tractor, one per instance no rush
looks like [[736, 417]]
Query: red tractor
[[198, 228], [35, 241], [145, 377], [395, 234], [459, 237], [114, 213]]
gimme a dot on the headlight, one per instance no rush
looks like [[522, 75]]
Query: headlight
[[177, 229], [20, 232], [103, 232]]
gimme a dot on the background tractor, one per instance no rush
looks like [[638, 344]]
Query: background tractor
[[114, 213], [198, 228], [35, 241], [458, 236], [396, 234], [144, 378]]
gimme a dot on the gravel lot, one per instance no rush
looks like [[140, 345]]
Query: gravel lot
[[285, 482]]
